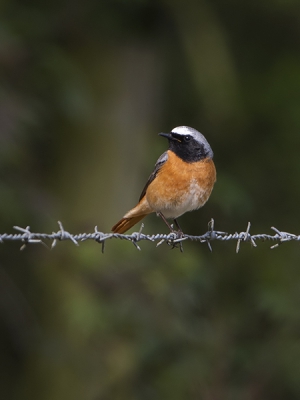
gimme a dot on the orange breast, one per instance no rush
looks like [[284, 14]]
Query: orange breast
[[180, 187]]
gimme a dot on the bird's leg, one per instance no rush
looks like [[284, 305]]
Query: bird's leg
[[179, 232], [178, 226], [161, 215]]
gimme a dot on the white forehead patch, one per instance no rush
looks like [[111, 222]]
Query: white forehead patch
[[187, 130], [183, 130]]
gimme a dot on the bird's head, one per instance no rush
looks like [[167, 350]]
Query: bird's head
[[188, 144]]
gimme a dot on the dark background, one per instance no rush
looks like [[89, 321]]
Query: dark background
[[85, 86]]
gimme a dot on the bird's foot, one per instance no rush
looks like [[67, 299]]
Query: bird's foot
[[177, 242]]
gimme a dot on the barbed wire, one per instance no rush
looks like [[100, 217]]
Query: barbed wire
[[173, 239]]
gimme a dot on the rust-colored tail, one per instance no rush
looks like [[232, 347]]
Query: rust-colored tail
[[126, 223], [133, 216]]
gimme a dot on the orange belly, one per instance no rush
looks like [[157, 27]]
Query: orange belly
[[180, 187]]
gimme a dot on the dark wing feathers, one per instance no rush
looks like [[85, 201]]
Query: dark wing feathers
[[159, 163]]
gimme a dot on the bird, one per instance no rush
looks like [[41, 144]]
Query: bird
[[182, 180]]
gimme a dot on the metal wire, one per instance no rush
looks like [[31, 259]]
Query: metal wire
[[173, 238]]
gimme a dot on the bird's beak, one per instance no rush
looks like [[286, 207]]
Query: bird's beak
[[166, 135], [169, 136]]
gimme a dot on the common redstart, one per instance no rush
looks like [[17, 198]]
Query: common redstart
[[182, 180]]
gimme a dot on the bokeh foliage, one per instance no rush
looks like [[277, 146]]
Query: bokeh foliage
[[84, 89]]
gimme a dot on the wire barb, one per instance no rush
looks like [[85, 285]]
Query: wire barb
[[244, 236], [27, 237], [173, 239]]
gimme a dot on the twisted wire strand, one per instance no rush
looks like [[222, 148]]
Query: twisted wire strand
[[173, 238]]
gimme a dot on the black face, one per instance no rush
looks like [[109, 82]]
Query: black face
[[186, 147]]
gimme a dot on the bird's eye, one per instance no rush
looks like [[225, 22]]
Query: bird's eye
[[187, 138]]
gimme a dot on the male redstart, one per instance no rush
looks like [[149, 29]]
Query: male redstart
[[182, 180]]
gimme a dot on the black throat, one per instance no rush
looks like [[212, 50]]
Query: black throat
[[190, 152]]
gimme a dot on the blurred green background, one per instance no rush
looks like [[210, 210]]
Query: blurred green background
[[85, 86]]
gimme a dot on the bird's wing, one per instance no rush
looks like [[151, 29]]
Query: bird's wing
[[159, 163]]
